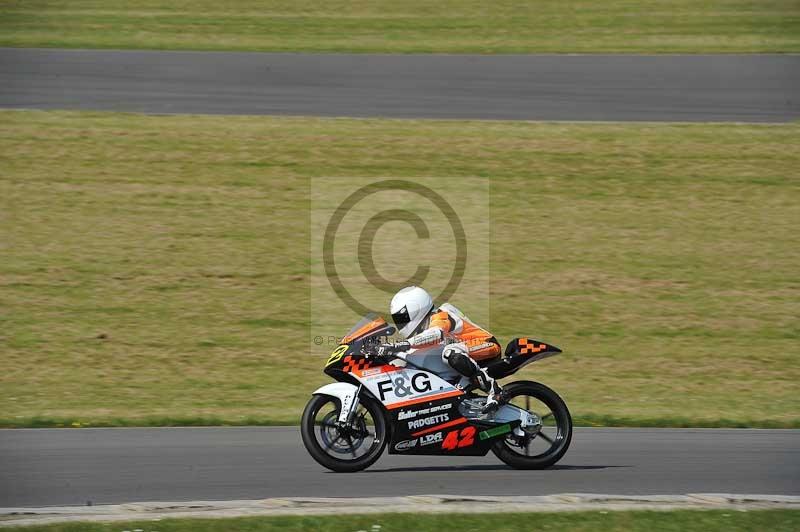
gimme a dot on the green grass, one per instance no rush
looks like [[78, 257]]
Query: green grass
[[448, 26], [678, 521], [155, 269]]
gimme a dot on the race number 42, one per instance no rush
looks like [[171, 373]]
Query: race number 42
[[463, 438]]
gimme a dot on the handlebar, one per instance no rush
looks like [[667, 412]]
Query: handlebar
[[370, 349]]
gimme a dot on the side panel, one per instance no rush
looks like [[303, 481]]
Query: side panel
[[438, 428], [422, 428], [399, 387]]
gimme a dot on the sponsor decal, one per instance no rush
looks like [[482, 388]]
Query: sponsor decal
[[426, 421], [347, 403], [404, 387], [453, 423], [372, 371], [411, 414], [406, 445], [428, 439], [491, 433]]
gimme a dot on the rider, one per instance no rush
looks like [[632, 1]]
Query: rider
[[425, 326]]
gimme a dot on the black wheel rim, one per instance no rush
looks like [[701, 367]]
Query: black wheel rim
[[546, 440], [346, 443]]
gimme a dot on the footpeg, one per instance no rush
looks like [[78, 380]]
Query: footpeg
[[491, 406]]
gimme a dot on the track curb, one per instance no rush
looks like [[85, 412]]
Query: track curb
[[566, 502]]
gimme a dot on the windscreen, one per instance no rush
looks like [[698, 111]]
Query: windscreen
[[366, 325]]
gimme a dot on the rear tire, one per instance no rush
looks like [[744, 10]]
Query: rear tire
[[511, 449], [308, 430]]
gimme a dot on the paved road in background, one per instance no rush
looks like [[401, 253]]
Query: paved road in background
[[72, 466], [753, 88]]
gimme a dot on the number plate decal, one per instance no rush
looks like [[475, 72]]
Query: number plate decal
[[337, 355]]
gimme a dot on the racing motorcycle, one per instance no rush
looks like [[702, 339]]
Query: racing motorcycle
[[414, 405]]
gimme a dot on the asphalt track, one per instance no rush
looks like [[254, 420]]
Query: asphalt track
[[750, 88], [40, 467]]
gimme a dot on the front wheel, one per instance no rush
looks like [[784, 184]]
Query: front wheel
[[344, 449], [541, 446]]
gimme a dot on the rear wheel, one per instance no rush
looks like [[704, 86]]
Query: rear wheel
[[347, 448], [541, 446]]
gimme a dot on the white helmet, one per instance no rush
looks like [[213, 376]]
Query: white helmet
[[409, 307]]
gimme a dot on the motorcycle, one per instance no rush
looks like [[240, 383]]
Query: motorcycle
[[414, 405]]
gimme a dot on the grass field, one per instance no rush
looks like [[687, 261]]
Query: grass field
[[155, 269], [688, 521], [449, 26]]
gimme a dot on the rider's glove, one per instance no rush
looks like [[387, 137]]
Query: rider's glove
[[399, 347], [389, 349]]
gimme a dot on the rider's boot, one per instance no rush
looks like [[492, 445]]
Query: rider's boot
[[492, 389], [457, 357]]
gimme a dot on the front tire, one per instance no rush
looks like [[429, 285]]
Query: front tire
[[544, 447], [337, 447]]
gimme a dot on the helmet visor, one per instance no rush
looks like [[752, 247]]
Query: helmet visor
[[401, 318]]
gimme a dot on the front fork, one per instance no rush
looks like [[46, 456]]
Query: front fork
[[349, 407]]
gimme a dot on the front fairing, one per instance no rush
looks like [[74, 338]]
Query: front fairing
[[370, 328], [393, 384]]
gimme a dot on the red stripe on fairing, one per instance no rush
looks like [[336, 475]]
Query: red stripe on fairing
[[453, 423], [386, 368]]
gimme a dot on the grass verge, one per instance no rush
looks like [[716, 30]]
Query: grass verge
[[693, 520], [157, 267], [450, 26]]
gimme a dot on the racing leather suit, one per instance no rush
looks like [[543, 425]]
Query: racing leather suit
[[465, 345]]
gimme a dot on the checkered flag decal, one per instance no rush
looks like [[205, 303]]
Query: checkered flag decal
[[530, 347], [355, 366]]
